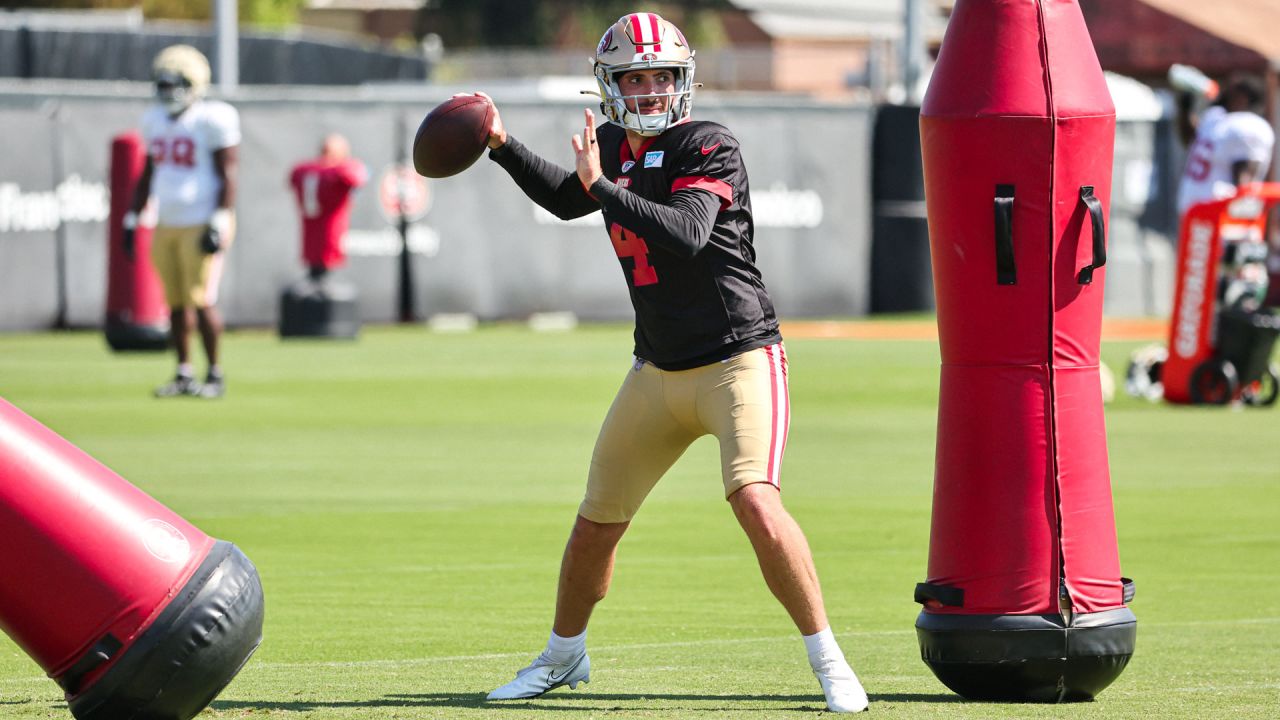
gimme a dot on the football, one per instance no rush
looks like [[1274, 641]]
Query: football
[[452, 136]]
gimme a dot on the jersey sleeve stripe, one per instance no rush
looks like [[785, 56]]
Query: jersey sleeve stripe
[[719, 188]]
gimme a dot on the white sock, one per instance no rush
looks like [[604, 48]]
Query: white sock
[[821, 644], [215, 370], [185, 370], [563, 649]]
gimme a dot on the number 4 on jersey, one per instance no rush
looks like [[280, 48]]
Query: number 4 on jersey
[[628, 244]]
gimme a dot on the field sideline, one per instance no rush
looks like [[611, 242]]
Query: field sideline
[[406, 498]]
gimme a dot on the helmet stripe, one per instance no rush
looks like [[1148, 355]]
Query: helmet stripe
[[637, 33], [657, 36]]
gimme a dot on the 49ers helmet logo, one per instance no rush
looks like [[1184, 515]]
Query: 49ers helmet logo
[[605, 42]]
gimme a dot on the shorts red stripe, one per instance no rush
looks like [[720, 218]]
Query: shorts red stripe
[[786, 393], [771, 472]]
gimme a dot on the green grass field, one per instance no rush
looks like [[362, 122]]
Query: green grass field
[[406, 499]]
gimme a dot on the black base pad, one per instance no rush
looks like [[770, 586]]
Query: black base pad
[[192, 650], [123, 336], [1027, 658], [319, 309]]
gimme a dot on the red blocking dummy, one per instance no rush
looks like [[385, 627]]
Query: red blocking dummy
[[137, 317], [1024, 599], [130, 608]]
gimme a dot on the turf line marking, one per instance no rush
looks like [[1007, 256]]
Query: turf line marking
[[598, 650]]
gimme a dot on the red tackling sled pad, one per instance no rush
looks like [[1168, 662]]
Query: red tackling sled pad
[[1023, 599]]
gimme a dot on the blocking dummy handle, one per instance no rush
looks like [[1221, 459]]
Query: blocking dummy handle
[[1099, 234], [1006, 269]]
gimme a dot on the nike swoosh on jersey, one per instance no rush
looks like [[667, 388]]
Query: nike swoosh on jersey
[[708, 150]]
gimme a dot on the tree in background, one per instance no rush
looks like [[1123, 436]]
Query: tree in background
[[556, 23], [275, 13]]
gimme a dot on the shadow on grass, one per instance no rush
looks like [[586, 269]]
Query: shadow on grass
[[576, 701], [916, 697]]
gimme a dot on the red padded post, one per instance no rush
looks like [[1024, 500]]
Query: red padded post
[[1023, 599], [137, 316]]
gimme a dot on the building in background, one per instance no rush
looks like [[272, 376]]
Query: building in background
[[828, 48], [1142, 38], [387, 20]]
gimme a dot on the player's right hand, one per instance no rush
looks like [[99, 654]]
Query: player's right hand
[[217, 232], [497, 131], [129, 229]]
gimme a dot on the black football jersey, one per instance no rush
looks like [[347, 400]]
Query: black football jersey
[[694, 305], [678, 214]]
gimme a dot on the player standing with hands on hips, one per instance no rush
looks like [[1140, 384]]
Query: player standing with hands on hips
[[192, 158], [708, 355]]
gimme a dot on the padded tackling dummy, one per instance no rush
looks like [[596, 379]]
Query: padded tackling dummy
[[1023, 599], [137, 317], [128, 607]]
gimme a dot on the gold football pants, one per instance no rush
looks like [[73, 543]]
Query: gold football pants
[[657, 414]]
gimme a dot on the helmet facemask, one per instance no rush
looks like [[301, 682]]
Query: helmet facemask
[[614, 105], [657, 44], [181, 74], [174, 92]]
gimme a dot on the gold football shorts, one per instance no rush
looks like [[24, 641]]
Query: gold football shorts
[[658, 414], [190, 277]]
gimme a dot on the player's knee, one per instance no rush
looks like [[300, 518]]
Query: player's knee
[[758, 509], [591, 536]]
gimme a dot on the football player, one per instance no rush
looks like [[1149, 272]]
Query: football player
[[708, 356], [192, 157], [1232, 143], [322, 188]]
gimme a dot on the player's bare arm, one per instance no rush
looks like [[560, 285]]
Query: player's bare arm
[[226, 163], [142, 190], [129, 223], [1186, 119], [1245, 172]]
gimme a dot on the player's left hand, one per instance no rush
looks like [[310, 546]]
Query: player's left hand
[[588, 155], [216, 234]]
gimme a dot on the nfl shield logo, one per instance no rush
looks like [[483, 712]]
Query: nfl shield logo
[[628, 165]]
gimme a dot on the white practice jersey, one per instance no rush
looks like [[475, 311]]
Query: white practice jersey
[[1222, 140], [183, 180]]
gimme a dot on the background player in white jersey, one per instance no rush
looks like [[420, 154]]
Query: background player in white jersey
[[709, 358], [1230, 144], [192, 158]]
